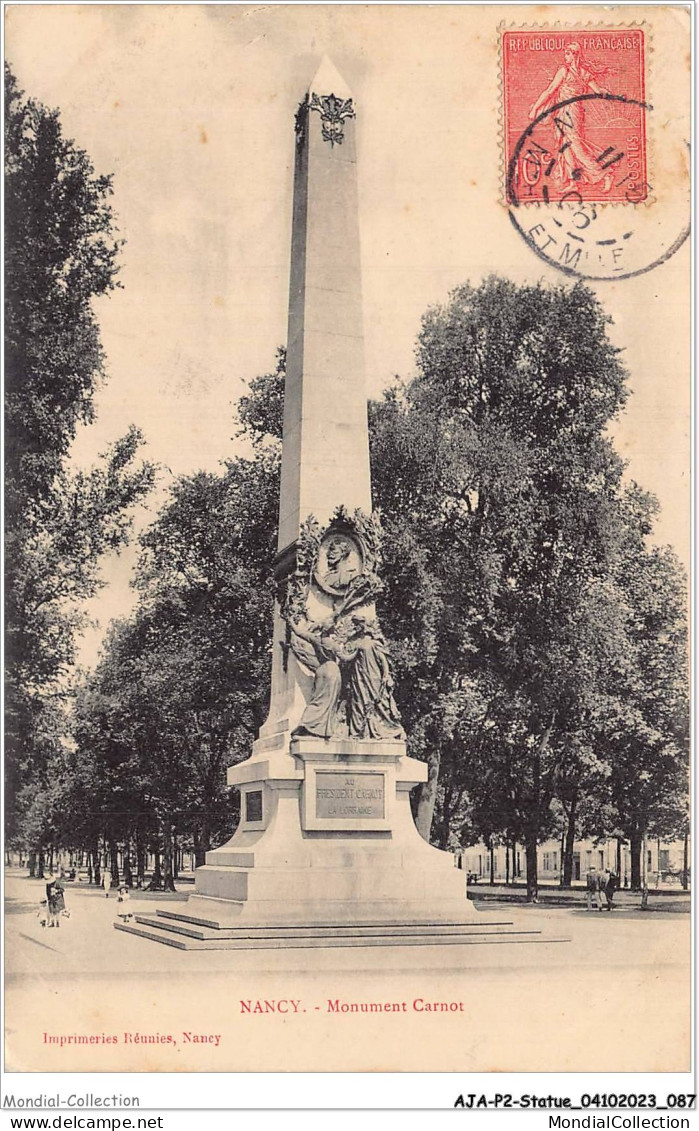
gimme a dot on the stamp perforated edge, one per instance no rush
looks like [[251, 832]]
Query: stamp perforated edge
[[582, 26]]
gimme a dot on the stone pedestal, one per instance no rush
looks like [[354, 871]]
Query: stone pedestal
[[326, 837]]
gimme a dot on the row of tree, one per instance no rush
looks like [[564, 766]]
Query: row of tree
[[61, 250], [538, 636]]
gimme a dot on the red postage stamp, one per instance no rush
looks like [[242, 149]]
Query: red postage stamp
[[574, 115]]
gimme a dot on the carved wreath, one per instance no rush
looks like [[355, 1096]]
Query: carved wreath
[[359, 584], [333, 112]]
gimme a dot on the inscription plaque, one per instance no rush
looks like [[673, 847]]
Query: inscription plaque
[[253, 805], [350, 795]]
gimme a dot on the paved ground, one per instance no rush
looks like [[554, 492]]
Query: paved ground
[[667, 898], [613, 998]]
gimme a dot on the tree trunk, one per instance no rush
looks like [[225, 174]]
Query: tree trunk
[[96, 867], [40, 866], [175, 858], [532, 872], [685, 860], [618, 859], [168, 876], [199, 850], [507, 862], [140, 861], [428, 796], [128, 874], [567, 875], [156, 883], [635, 847], [202, 844], [492, 861], [32, 864], [114, 863]]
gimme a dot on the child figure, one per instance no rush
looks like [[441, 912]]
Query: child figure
[[123, 909]]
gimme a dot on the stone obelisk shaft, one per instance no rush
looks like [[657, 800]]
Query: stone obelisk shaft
[[325, 454], [325, 458]]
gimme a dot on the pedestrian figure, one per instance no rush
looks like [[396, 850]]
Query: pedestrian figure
[[611, 888], [602, 891], [106, 882], [123, 900], [49, 880], [594, 891], [57, 904]]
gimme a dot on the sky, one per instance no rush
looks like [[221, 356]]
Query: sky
[[191, 108]]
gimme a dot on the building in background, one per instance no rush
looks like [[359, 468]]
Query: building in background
[[665, 862]]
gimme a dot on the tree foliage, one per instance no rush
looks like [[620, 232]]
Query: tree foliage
[[537, 638], [183, 684], [61, 249], [506, 514], [60, 253]]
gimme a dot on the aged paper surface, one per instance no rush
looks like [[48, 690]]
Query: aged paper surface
[[191, 108]]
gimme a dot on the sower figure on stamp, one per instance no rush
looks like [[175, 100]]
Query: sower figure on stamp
[[577, 161]]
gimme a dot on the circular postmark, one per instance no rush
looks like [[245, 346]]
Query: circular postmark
[[340, 561], [573, 207]]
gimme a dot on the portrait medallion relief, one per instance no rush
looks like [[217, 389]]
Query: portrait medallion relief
[[340, 561]]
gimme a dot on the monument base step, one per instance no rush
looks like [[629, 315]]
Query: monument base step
[[204, 928], [180, 932]]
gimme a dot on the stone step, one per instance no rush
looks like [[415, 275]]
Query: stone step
[[344, 931], [275, 942], [220, 925]]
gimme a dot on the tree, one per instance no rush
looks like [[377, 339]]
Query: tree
[[61, 250], [496, 456], [183, 684], [647, 729], [60, 253], [507, 532]]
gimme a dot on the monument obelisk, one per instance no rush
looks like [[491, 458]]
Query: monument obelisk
[[326, 848], [325, 452]]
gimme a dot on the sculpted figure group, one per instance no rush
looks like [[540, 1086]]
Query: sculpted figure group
[[352, 693], [352, 687]]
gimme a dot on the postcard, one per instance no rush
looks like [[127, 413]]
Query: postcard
[[341, 741]]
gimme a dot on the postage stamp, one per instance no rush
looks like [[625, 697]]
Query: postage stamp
[[574, 115]]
